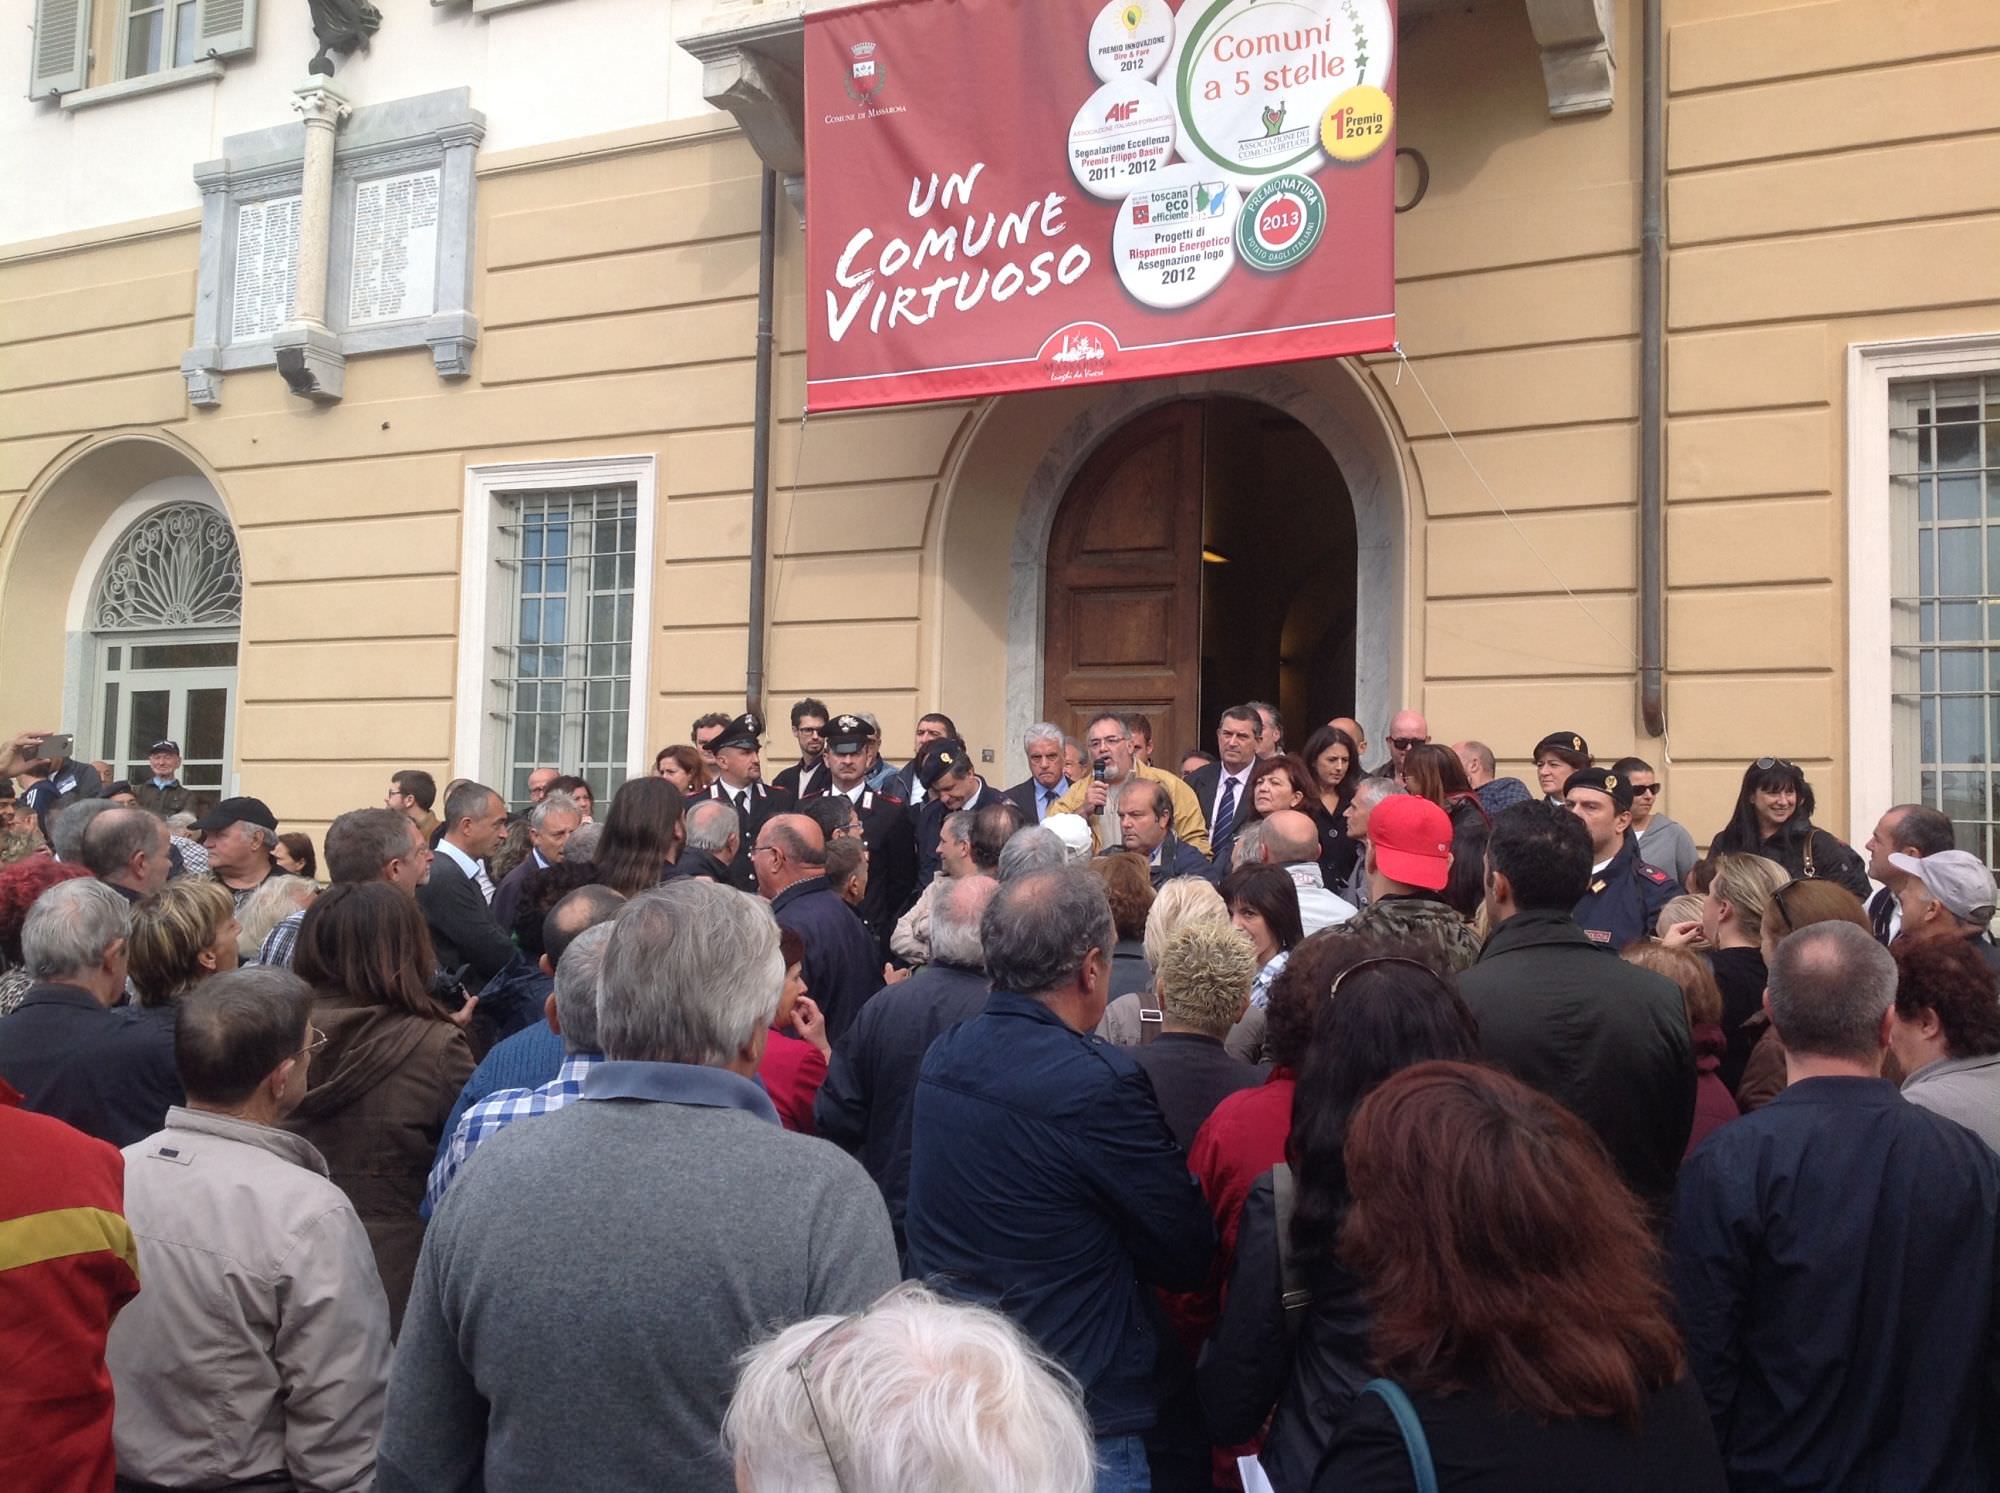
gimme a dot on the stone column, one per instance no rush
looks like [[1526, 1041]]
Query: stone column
[[307, 353]]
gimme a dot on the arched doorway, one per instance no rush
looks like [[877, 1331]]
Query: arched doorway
[[165, 618], [1203, 555]]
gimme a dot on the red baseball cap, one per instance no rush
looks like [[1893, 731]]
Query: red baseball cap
[[1412, 840]]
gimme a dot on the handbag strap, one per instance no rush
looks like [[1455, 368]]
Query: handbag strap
[[1295, 1296], [1152, 1015], [1414, 1440]]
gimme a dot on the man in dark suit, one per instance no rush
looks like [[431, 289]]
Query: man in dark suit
[[886, 823], [842, 965], [740, 781], [1145, 827], [806, 776], [1222, 784], [1043, 743], [945, 771], [457, 898]]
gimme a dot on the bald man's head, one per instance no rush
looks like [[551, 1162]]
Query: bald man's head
[[790, 848], [1290, 837]]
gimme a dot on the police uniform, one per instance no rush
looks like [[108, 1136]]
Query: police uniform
[[890, 830], [940, 760], [1623, 901], [757, 804], [1561, 741]]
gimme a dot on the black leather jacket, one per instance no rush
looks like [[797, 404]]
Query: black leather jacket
[[1249, 1366]]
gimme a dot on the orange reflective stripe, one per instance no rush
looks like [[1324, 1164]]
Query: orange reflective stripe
[[63, 1232]]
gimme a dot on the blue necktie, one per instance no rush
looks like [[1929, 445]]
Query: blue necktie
[[1048, 802], [1225, 813]]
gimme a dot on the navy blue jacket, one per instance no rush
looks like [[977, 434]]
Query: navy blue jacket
[[931, 815], [843, 966], [864, 1103], [1624, 901], [1044, 1182], [1833, 1256], [109, 1072]]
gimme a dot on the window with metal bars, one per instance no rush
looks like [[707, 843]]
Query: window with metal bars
[[570, 556], [1944, 480]]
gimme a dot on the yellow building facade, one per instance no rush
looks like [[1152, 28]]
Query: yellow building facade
[[1831, 430]]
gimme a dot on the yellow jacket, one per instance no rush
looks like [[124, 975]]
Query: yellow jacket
[[1190, 825]]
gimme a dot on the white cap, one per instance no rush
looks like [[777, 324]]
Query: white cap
[[1074, 832]]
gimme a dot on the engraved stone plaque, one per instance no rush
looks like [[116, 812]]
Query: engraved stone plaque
[[267, 267], [395, 248]]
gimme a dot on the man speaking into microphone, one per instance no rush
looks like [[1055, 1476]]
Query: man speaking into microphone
[[1114, 759]]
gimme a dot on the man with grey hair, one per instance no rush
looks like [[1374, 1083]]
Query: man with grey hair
[[1046, 782], [70, 825], [1832, 1254], [1043, 1179], [261, 1290], [1032, 848], [361, 845], [110, 1073], [1270, 728], [864, 1103], [1481, 766], [551, 822], [457, 897], [713, 839], [1369, 792], [664, 1221], [571, 1012], [128, 850], [240, 834]]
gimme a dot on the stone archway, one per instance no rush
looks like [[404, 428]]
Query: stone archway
[[1333, 400], [54, 557]]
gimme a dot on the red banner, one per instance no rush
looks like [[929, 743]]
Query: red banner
[[1022, 194]]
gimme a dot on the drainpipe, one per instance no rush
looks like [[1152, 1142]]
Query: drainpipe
[[760, 458], [1652, 370]]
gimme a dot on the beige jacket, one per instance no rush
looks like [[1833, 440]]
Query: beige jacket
[[259, 1342], [1190, 824]]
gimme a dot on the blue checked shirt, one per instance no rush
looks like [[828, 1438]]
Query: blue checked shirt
[[497, 1111]]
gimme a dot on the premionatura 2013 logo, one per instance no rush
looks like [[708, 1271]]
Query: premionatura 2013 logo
[[1280, 222]]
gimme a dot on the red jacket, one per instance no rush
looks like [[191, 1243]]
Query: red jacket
[[67, 1264], [791, 1072]]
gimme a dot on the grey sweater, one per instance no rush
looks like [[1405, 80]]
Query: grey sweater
[[589, 1281]]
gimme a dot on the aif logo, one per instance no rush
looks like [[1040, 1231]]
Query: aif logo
[[1119, 113]]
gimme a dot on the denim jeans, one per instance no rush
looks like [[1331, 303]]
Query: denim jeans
[[1121, 1465]]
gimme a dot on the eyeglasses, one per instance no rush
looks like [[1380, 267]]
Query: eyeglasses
[[1377, 961], [1646, 790], [810, 730], [1404, 743], [1765, 764], [315, 1039], [817, 1349]]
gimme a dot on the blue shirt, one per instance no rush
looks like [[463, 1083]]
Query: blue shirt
[[1044, 1181], [496, 1112], [530, 1058], [1833, 1255]]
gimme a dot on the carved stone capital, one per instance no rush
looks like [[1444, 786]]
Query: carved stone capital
[[1577, 61], [320, 104], [452, 335], [201, 367]]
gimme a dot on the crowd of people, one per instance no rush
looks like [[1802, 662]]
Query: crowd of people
[[1259, 1119]]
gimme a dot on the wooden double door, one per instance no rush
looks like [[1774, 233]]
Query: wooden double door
[[1123, 596]]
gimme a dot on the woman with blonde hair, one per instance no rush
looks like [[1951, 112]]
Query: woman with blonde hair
[[1184, 900], [1731, 929], [181, 935]]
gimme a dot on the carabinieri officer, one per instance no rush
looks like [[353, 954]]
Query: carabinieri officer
[[1623, 902]]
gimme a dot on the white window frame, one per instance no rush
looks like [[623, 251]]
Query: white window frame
[[168, 10], [483, 604], [1872, 367]]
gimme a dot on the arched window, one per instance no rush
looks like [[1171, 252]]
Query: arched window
[[166, 616], [176, 567]]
